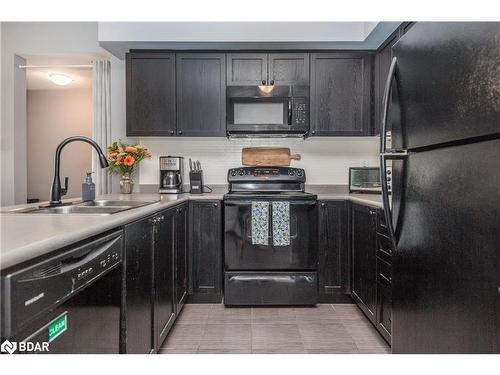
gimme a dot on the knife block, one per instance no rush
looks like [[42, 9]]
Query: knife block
[[196, 182]]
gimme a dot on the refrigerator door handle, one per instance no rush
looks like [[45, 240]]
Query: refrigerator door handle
[[385, 103], [385, 154]]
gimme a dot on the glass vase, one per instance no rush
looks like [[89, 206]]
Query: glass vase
[[126, 184]]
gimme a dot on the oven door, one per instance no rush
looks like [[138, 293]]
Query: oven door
[[241, 254]]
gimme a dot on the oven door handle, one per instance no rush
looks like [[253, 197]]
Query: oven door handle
[[290, 112], [249, 203]]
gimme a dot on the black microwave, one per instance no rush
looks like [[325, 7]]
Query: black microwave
[[267, 110]]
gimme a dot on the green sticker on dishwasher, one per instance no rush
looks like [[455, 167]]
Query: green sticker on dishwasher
[[57, 327]]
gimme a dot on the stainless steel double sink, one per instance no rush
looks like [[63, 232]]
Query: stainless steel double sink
[[97, 207]]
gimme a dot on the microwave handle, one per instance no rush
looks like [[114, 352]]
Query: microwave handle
[[290, 112]]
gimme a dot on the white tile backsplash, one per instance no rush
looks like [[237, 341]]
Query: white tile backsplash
[[326, 160]]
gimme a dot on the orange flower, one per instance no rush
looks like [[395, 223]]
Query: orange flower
[[131, 149], [129, 160]]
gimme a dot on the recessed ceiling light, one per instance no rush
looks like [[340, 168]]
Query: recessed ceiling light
[[60, 79]]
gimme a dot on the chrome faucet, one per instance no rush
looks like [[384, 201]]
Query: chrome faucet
[[56, 190]]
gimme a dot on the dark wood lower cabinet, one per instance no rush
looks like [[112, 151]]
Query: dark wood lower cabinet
[[138, 332], [163, 271], [333, 267], [156, 278], [371, 267], [181, 256], [363, 247], [205, 256]]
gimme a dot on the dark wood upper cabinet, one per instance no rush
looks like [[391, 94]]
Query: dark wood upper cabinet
[[341, 94], [201, 94], [205, 252], [246, 69], [363, 252], [271, 69], [150, 94], [289, 68], [333, 267]]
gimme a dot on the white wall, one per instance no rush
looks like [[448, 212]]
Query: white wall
[[28, 39], [54, 115], [326, 160], [234, 31]]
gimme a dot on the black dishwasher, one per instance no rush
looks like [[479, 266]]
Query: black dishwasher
[[69, 303]]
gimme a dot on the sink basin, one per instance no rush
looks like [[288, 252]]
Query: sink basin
[[98, 207], [119, 203]]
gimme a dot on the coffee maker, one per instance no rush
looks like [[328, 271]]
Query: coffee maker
[[171, 169]]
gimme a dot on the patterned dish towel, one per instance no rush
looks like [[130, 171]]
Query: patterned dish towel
[[281, 223], [260, 223]]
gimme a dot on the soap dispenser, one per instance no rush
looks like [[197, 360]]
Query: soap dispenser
[[88, 188]]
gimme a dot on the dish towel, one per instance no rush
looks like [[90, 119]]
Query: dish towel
[[281, 223], [260, 223]]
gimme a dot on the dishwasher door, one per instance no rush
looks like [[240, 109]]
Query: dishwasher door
[[67, 304]]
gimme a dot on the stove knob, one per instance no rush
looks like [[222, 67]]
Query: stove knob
[[300, 173], [242, 172], [291, 172], [389, 172], [233, 173]]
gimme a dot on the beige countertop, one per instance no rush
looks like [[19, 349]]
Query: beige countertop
[[26, 236]]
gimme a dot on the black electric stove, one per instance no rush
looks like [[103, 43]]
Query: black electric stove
[[269, 274], [267, 183]]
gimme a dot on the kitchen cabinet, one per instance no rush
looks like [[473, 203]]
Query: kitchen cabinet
[[289, 68], [333, 267], [138, 317], [150, 94], [205, 254], [384, 278], [363, 251], [201, 94], [341, 94], [250, 69], [156, 277], [163, 271], [181, 256]]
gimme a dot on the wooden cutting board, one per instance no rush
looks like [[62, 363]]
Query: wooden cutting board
[[267, 156]]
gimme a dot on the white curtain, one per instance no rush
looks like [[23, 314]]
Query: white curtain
[[101, 94]]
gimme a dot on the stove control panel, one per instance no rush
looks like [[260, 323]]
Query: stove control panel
[[271, 174]]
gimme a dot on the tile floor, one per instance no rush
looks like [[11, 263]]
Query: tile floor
[[321, 329]]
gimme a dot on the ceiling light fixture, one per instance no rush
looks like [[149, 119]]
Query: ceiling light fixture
[[60, 79]]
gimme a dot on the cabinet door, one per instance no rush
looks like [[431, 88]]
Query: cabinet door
[[333, 265], [201, 94], [382, 65], [384, 302], [181, 257], [340, 94], [363, 243], [150, 94], [289, 69], [164, 275], [206, 252], [139, 287], [246, 69]]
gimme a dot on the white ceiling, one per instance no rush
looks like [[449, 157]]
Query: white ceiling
[[37, 78]]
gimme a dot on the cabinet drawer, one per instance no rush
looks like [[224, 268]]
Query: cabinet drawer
[[382, 223], [270, 288], [384, 247], [384, 272]]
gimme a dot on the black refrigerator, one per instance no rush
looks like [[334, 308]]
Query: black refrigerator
[[442, 97]]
